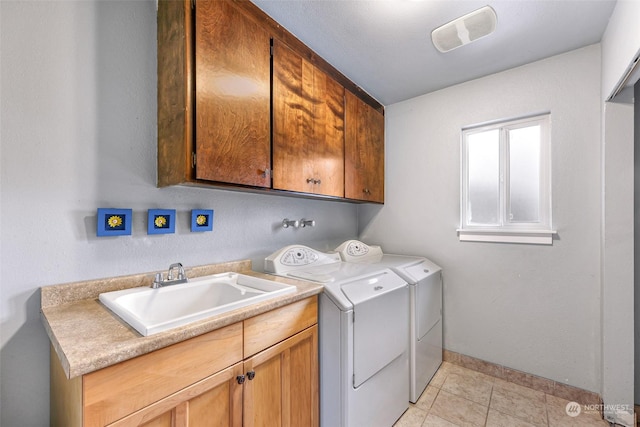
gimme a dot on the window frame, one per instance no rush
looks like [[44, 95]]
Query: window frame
[[506, 230]]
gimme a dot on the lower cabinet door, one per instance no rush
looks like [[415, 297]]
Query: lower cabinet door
[[214, 401], [281, 387]]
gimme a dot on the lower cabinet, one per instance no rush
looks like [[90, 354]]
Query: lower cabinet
[[273, 380], [282, 388]]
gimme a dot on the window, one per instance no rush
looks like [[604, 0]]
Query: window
[[506, 182]]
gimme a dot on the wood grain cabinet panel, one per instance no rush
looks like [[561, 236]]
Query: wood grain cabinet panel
[[283, 389], [308, 126], [364, 151], [232, 94], [269, 328], [214, 401]]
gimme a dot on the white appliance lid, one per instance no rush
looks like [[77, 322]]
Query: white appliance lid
[[360, 279], [365, 288], [411, 268]]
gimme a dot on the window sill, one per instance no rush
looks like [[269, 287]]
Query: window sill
[[533, 237]]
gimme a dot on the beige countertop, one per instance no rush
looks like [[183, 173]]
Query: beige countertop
[[87, 336]]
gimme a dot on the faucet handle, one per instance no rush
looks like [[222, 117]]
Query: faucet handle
[[157, 282], [286, 223], [307, 223]]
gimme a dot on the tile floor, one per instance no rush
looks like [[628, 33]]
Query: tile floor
[[460, 397]]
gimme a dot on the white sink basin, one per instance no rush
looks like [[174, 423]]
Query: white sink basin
[[150, 311]]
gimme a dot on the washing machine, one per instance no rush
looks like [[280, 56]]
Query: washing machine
[[363, 336], [425, 307]]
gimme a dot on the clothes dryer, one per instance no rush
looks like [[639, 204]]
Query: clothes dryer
[[425, 307], [363, 336]]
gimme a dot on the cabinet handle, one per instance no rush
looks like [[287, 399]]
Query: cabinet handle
[[366, 191], [317, 181], [314, 181], [266, 173], [240, 379], [251, 375]]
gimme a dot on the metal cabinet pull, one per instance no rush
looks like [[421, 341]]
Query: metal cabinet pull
[[240, 379], [251, 375]]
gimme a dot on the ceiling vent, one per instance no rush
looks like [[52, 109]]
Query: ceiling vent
[[465, 29]]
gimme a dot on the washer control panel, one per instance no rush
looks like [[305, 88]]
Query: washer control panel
[[355, 250], [299, 256], [296, 257]]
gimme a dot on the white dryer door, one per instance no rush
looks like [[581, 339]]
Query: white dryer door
[[381, 324]]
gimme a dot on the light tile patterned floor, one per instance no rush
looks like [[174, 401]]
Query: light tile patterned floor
[[460, 397]]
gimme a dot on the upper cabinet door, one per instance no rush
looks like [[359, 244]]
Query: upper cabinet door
[[308, 126], [364, 151], [232, 96]]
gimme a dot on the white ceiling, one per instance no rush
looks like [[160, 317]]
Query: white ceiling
[[385, 47]]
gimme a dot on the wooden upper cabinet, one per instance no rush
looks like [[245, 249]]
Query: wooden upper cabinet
[[243, 103], [308, 126], [232, 96], [364, 151]]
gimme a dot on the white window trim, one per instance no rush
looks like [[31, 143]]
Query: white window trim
[[506, 232], [534, 237]]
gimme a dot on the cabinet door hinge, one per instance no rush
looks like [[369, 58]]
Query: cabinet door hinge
[[193, 4], [193, 159]]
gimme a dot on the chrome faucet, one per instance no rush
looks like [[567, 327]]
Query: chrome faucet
[[181, 275], [159, 282]]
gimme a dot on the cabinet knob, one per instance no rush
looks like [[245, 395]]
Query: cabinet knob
[[265, 173], [251, 375], [240, 379], [366, 191]]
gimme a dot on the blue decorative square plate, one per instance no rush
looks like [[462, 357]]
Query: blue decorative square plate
[[201, 220], [114, 222], [161, 221]]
